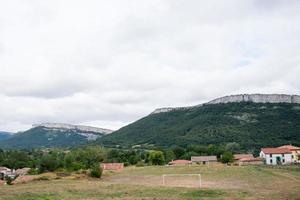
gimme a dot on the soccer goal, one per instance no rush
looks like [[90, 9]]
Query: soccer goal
[[183, 180]]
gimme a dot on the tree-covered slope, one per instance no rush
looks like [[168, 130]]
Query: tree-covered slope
[[4, 135], [41, 136], [252, 125]]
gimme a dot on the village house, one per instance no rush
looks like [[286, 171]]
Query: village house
[[180, 162], [276, 156], [295, 152], [204, 159], [4, 171], [247, 159]]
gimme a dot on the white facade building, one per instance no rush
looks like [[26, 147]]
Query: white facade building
[[276, 156], [295, 152]]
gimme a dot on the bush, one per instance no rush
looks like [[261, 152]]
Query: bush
[[96, 171], [8, 180], [227, 157], [33, 171], [140, 164], [156, 158]]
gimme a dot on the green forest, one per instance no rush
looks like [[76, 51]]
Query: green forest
[[251, 125]]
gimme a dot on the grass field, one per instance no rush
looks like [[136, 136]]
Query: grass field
[[219, 182]]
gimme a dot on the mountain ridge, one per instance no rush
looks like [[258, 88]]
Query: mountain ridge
[[253, 121], [4, 135], [71, 126], [255, 98], [54, 135]]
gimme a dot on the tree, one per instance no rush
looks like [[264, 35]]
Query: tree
[[178, 151], [48, 163], [89, 156], [227, 157], [169, 155], [189, 154], [156, 158], [233, 147], [96, 171]]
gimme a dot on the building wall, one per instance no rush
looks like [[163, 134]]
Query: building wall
[[295, 155], [112, 166], [284, 158]]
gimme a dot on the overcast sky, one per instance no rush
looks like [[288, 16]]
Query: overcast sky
[[109, 63]]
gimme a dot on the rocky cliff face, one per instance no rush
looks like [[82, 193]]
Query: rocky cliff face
[[258, 98], [255, 98], [77, 127]]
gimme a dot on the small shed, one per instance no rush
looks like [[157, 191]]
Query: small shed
[[113, 166], [204, 159]]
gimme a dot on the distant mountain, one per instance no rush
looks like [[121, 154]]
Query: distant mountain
[[253, 121], [4, 135], [54, 135]]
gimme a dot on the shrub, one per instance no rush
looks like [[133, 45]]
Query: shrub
[[140, 164], [8, 180], [156, 158], [227, 157], [96, 171], [33, 171]]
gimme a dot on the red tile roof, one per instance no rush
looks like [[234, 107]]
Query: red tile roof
[[241, 156], [290, 147], [251, 159], [275, 150], [180, 162]]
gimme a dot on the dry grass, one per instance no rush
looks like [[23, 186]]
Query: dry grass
[[220, 182]]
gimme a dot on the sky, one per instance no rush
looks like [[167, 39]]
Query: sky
[[109, 63]]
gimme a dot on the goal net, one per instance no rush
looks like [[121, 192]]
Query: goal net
[[182, 180]]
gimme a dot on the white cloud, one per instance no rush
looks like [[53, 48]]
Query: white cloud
[[109, 63]]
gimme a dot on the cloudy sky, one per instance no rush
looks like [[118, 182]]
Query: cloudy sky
[[109, 63]]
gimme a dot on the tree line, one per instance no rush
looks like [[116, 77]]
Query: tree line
[[86, 158]]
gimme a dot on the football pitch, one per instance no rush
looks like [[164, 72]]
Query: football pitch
[[217, 182]]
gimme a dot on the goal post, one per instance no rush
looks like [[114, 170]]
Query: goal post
[[199, 179]]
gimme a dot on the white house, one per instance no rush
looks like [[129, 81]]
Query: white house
[[4, 171], [295, 152], [276, 156]]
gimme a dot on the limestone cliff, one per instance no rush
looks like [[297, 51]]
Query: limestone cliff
[[255, 98]]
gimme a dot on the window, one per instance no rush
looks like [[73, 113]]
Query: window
[[292, 156], [283, 160], [282, 155], [271, 155], [271, 161]]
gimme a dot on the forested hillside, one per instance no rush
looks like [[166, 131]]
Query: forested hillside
[[4, 135], [252, 125], [41, 136]]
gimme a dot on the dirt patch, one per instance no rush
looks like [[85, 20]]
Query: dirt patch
[[189, 182]]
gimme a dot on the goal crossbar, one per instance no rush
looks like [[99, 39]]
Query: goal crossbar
[[198, 175]]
